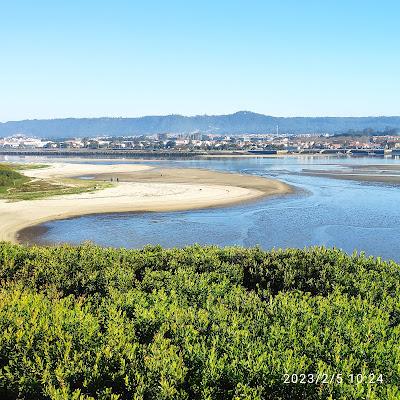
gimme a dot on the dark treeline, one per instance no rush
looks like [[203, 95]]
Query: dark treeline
[[371, 132], [196, 323]]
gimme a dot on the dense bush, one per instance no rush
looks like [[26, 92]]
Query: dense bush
[[8, 177], [197, 323]]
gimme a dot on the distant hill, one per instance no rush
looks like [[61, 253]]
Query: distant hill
[[234, 124]]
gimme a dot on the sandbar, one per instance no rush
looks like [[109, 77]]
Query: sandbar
[[140, 188], [389, 174]]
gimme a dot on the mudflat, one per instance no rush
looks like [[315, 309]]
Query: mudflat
[[363, 173]]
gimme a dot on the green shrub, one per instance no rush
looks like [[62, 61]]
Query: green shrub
[[197, 323]]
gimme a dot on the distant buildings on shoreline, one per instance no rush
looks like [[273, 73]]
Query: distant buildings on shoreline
[[251, 143]]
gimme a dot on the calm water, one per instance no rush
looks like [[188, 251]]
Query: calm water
[[346, 214]]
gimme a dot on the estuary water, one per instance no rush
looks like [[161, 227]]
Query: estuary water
[[351, 215]]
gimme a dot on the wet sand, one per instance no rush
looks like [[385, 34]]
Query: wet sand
[[363, 173], [139, 188], [194, 176]]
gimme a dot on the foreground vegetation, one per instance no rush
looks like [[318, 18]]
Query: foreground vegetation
[[196, 323], [14, 185]]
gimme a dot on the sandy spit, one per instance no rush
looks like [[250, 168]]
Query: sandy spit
[[388, 174], [140, 188]]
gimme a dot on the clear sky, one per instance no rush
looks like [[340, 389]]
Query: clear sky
[[93, 58]]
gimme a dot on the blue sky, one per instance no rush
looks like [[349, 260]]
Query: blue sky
[[130, 58]]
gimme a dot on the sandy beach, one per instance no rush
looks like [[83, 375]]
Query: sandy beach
[[139, 188]]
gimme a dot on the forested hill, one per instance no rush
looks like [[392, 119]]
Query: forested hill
[[237, 123]]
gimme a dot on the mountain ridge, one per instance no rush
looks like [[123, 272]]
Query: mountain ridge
[[237, 123]]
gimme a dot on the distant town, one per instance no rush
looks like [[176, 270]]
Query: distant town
[[199, 143]]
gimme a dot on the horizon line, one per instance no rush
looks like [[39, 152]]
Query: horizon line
[[197, 115]]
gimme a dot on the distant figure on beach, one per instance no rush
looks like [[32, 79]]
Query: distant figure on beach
[[111, 179], [117, 179]]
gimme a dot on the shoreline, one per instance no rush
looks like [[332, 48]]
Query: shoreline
[[364, 173], [141, 188]]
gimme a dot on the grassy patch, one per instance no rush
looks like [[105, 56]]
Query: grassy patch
[[21, 167], [10, 178], [16, 186]]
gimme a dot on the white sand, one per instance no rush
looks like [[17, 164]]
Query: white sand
[[68, 169], [123, 197]]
